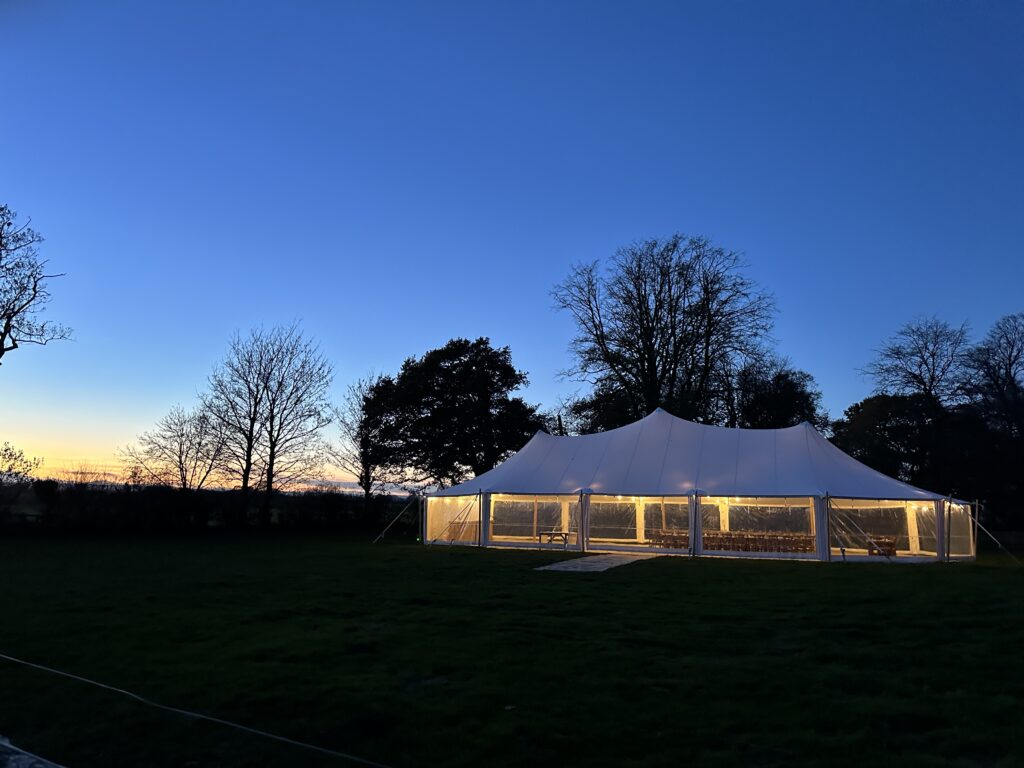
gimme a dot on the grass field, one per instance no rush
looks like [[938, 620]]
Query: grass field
[[410, 655]]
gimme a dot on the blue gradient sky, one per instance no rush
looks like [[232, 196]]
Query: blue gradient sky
[[397, 174]]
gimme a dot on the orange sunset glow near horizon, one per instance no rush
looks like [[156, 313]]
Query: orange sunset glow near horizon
[[72, 455]]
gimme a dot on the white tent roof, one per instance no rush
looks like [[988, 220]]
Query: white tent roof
[[662, 455]]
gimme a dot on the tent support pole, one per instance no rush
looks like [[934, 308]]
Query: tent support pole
[[974, 542], [485, 519], [639, 513], [949, 524], [828, 529], [696, 526], [584, 520], [579, 522], [913, 533], [819, 512], [423, 519]]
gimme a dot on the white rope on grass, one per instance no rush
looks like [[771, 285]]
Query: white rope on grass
[[5, 745], [197, 715]]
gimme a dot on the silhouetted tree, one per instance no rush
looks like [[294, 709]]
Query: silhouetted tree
[[183, 450], [23, 287], [925, 357], [85, 473], [235, 397], [994, 375], [605, 407], [451, 413], [888, 433], [770, 394], [949, 450], [957, 425], [664, 324], [357, 449], [296, 407], [764, 393], [15, 467], [15, 475]]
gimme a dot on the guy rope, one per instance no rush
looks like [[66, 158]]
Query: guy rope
[[398, 517]]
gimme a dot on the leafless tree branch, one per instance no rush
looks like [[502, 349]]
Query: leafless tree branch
[[23, 288]]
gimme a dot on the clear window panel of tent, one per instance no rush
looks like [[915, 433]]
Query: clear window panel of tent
[[613, 520], [757, 524], [640, 521], [960, 536], [882, 528], [666, 522], [519, 519], [453, 519]]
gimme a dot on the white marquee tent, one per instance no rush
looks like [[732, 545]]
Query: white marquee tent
[[663, 484]]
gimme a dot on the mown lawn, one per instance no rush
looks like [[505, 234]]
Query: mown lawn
[[410, 655]]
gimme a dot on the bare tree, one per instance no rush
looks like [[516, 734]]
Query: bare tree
[[15, 467], [183, 450], [994, 375], [86, 473], [925, 357], [16, 471], [355, 451], [23, 288], [665, 323], [236, 397], [296, 408]]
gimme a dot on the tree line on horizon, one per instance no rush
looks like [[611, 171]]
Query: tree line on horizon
[[676, 324], [671, 323], [257, 426]]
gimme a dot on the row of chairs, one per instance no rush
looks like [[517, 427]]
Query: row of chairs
[[669, 538], [735, 541]]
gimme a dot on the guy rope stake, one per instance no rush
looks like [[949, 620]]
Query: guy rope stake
[[999, 544]]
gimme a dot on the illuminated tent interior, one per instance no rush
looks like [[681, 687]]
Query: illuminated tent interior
[[663, 484]]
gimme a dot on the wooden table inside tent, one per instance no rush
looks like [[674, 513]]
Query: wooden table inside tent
[[884, 546], [563, 536]]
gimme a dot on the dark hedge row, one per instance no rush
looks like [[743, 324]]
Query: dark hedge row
[[50, 506]]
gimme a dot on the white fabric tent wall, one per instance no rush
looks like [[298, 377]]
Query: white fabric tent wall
[[662, 456]]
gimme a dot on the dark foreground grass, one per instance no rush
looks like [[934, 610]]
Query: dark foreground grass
[[410, 655]]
